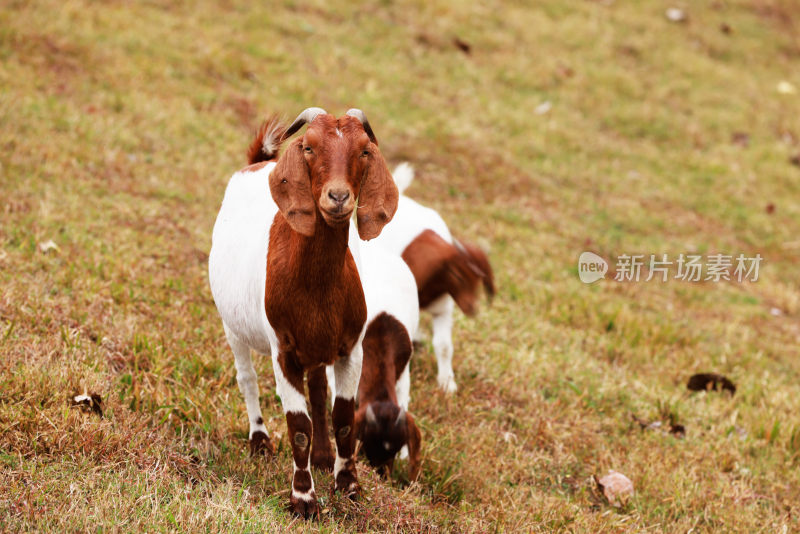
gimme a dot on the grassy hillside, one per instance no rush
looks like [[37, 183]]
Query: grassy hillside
[[120, 123]]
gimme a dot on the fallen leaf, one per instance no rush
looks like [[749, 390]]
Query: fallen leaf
[[47, 246], [616, 487], [770, 208], [675, 14], [725, 28], [462, 45], [795, 160], [740, 138], [710, 381], [89, 402], [677, 430]]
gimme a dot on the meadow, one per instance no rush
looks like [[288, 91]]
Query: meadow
[[538, 130]]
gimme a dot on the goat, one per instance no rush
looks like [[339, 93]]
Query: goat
[[382, 422], [284, 273], [446, 270]]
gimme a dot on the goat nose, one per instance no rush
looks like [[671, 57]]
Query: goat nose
[[339, 196]]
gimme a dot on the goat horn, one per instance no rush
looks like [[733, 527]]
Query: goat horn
[[306, 117], [358, 114]]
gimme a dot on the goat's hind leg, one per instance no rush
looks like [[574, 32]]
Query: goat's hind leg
[[443, 345], [248, 385], [348, 373]]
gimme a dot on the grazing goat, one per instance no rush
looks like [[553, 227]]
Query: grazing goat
[[382, 421], [284, 272], [446, 270]]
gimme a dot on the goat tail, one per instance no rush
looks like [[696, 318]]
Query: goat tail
[[267, 140], [403, 176], [479, 263]]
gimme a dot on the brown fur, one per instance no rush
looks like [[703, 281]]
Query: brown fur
[[387, 350], [254, 167], [441, 268]]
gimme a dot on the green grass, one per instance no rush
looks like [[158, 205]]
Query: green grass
[[121, 122]]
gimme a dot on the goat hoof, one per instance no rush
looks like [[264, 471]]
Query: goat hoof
[[322, 459], [448, 385], [261, 445], [303, 508], [347, 485]]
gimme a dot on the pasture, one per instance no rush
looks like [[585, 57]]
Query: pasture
[[539, 131]]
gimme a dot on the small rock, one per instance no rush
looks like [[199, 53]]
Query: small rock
[[543, 108], [675, 14], [786, 88], [725, 28], [775, 312], [615, 487], [770, 209]]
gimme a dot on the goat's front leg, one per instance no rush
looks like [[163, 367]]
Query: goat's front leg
[[347, 372], [321, 453], [403, 391], [289, 384]]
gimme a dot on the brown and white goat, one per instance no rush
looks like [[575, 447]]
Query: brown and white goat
[[382, 421], [446, 270], [284, 273]]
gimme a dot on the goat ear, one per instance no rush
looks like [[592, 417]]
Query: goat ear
[[414, 446], [290, 185], [377, 201]]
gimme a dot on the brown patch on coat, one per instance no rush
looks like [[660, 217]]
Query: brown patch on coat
[[299, 426], [301, 481], [321, 453], [441, 268], [260, 444]]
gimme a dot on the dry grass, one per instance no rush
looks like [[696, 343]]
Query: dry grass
[[120, 123]]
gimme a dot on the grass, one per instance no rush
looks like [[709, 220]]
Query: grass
[[121, 122]]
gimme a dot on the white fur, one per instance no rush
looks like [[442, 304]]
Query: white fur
[[389, 287], [410, 220]]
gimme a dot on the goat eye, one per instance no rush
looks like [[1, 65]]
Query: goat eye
[[365, 154], [308, 150]]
